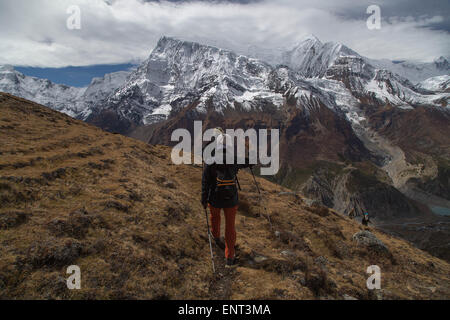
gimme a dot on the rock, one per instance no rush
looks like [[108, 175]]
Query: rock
[[347, 297], [288, 253], [368, 239], [259, 259]]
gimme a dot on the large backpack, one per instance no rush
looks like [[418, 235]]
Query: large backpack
[[226, 188]]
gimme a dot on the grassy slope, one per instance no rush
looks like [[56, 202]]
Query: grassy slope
[[73, 194]]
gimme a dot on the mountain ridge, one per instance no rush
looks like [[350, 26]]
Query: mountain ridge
[[318, 64]]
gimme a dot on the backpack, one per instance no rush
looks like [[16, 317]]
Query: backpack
[[225, 183]]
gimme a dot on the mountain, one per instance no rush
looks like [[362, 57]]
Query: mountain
[[75, 102], [414, 71], [367, 82], [56, 96], [100, 89], [312, 58], [438, 84], [178, 73], [132, 221]]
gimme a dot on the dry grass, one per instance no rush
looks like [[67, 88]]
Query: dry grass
[[73, 194]]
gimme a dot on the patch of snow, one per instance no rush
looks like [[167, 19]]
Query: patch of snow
[[163, 110], [439, 83]]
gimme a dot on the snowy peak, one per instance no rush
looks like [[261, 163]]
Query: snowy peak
[[178, 73], [76, 102], [312, 58], [413, 71], [169, 45], [100, 88], [182, 73], [391, 88], [6, 68], [437, 84], [310, 42], [56, 96]]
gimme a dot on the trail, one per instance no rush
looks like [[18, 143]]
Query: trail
[[221, 284]]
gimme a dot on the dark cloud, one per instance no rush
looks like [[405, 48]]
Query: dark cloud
[[402, 8], [34, 33]]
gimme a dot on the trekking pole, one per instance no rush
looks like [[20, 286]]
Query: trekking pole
[[210, 243], [209, 232], [261, 200]]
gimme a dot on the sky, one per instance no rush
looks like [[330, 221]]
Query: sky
[[74, 76], [123, 32]]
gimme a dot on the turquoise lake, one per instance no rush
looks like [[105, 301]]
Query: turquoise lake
[[441, 211]]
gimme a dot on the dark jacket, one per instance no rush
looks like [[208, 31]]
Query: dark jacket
[[209, 181]]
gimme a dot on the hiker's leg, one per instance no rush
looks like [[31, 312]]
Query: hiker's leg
[[215, 221], [230, 231]]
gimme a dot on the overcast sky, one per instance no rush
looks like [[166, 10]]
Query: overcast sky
[[34, 33]]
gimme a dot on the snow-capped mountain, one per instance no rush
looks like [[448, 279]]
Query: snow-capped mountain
[[438, 84], [100, 89], [56, 96], [312, 58], [413, 71], [365, 80], [76, 102], [179, 73]]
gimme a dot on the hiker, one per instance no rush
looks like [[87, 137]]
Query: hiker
[[365, 220], [219, 191]]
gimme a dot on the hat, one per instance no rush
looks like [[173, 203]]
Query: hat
[[218, 131], [224, 141]]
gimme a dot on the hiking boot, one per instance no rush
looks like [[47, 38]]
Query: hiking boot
[[220, 243], [230, 263]]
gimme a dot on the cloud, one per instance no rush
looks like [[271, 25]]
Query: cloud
[[34, 33]]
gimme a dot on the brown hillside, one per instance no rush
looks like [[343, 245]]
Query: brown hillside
[[71, 193]]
